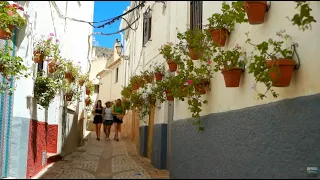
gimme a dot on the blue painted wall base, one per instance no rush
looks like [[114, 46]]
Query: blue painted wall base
[[143, 143], [159, 146]]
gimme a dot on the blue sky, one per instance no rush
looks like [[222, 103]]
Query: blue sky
[[106, 10]]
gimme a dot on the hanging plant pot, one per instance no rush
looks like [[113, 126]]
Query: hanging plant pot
[[38, 56], [135, 87], [256, 11], [149, 79], [202, 87], [5, 35], [158, 76], [232, 77], [81, 82], [219, 36], [69, 96], [69, 77], [88, 91], [88, 101], [52, 67], [169, 95], [194, 55], [281, 72], [172, 66]]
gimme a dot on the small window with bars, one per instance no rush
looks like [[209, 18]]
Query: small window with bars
[[196, 14], [147, 19]]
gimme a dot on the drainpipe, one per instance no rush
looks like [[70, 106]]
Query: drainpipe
[[124, 83]]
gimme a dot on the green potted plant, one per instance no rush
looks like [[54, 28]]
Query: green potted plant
[[168, 52], [195, 43], [72, 71], [45, 89], [272, 65], [256, 11], [158, 72], [126, 91], [303, 19], [72, 92], [89, 87], [83, 78], [148, 76], [221, 24], [12, 65], [136, 82], [88, 101], [10, 19], [46, 47], [231, 64]]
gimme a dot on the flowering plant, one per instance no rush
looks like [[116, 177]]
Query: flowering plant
[[45, 89], [10, 16], [228, 59], [267, 50], [48, 47], [72, 68]]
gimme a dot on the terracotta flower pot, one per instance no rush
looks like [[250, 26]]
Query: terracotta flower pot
[[88, 101], [158, 76], [149, 79], [219, 36], [52, 67], [172, 66], [69, 96], [135, 87], [232, 77], [38, 56], [88, 91], [81, 82], [69, 77], [169, 96], [201, 89], [194, 55], [281, 73], [256, 11], [5, 35]]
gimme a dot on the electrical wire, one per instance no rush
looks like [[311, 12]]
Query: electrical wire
[[108, 34]]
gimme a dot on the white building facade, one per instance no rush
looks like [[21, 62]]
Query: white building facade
[[240, 130], [34, 131]]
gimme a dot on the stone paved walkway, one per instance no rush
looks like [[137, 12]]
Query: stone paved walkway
[[104, 160]]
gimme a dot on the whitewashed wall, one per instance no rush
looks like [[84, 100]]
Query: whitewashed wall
[[73, 37], [176, 16]]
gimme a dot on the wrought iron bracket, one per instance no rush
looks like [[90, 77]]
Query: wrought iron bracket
[[268, 5], [294, 48]]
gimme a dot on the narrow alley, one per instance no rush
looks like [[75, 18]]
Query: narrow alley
[[103, 160]]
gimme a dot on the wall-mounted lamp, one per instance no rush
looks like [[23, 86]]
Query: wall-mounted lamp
[[119, 49]]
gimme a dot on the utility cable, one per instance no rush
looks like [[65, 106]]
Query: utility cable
[[108, 34]]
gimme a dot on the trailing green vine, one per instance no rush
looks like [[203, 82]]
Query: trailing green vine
[[303, 19]]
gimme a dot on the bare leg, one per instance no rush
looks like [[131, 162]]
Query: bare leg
[[105, 130], [115, 131], [108, 130], [99, 130]]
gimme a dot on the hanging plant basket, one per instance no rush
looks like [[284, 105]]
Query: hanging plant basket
[[172, 66], [88, 101], [281, 72], [256, 11], [38, 56], [135, 87], [69, 96], [52, 67], [219, 36], [69, 77], [88, 91], [81, 82], [5, 35], [148, 78], [158, 76], [169, 95], [232, 77], [202, 87], [194, 55]]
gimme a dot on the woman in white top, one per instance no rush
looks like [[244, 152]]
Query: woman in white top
[[108, 119]]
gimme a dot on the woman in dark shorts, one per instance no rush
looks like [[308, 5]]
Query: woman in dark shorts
[[108, 119], [117, 112], [97, 120]]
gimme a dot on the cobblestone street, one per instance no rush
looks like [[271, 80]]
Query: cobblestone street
[[101, 160]]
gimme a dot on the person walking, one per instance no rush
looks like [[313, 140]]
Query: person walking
[[97, 120], [117, 112], [108, 120]]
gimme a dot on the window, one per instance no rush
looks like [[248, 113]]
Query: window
[[117, 75], [96, 88], [146, 26], [195, 14]]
